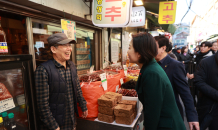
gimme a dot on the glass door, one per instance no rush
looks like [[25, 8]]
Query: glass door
[[16, 97]]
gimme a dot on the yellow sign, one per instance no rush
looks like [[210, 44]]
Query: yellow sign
[[64, 24], [85, 44], [167, 12]]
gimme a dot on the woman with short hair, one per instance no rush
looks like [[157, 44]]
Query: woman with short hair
[[153, 86]]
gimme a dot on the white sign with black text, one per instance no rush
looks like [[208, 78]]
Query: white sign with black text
[[138, 16]]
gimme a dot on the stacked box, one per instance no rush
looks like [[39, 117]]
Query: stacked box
[[105, 118], [123, 110], [107, 101], [106, 110], [133, 103], [125, 120], [115, 95], [106, 106], [124, 114]]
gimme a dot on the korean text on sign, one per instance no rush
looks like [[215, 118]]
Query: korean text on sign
[[167, 12], [108, 12]]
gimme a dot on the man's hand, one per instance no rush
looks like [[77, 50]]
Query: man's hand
[[58, 128], [194, 125], [85, 113], [190, 76]]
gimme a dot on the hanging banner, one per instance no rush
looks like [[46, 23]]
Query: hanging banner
[[3, 47], [138, 16], [111, 13], [69, 28], [167, 12]]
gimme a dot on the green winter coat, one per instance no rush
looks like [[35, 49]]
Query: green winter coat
[[156, 94]]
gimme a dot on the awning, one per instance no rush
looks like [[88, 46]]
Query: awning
[[153, 5]]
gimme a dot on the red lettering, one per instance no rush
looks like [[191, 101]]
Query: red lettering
[[113, 9], [112, 16], [168, 6], [167, 18]]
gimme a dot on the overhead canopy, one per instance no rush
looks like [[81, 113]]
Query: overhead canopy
[[153, 5]]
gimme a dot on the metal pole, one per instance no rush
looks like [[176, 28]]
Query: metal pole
[[29, 33]]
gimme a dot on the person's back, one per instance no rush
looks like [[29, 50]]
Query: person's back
[[206, 81], [169, 112]]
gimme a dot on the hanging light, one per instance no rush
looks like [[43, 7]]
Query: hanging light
[[138, 2]]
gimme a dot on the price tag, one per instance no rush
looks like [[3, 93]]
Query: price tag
[[117, 88], [21, 99], [104, 81], [121, 81], [6, 104], [91, 68], [125, 69]]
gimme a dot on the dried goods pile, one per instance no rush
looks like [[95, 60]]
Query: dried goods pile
[[114, 67], [95, 76], [128, 92], [129, 85], [111, 108]]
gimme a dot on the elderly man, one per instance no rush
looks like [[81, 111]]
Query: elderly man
[[57, 87]]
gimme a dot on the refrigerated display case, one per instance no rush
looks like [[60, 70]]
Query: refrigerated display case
[[16, 91]]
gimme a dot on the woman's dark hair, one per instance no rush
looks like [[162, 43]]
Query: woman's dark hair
[[183, 49], [208, 44], [169, 48], [145, 45]]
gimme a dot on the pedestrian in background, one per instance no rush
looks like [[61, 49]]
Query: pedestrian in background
[[197, 49], [185, 58], [175, 49], [205, 51], [214, 47], [178, 53], [206, 77], [153, 86], [176, 73]]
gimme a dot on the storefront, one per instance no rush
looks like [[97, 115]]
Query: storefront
[[27, 32]]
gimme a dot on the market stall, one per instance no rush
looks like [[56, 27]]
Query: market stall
[[112, 101]]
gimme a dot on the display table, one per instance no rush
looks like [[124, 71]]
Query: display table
[[94, 124]]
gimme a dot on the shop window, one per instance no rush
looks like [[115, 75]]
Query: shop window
[[13, 32], [84, 49], [115, 46], [177, 41]]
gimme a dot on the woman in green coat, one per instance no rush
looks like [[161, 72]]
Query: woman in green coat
[[153, 87]]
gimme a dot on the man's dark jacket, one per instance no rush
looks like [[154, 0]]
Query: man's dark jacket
[[177, 75], [58, 90], [206, 77]]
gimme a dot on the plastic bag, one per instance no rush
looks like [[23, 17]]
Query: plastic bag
[[94, 90], [4, 93]]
